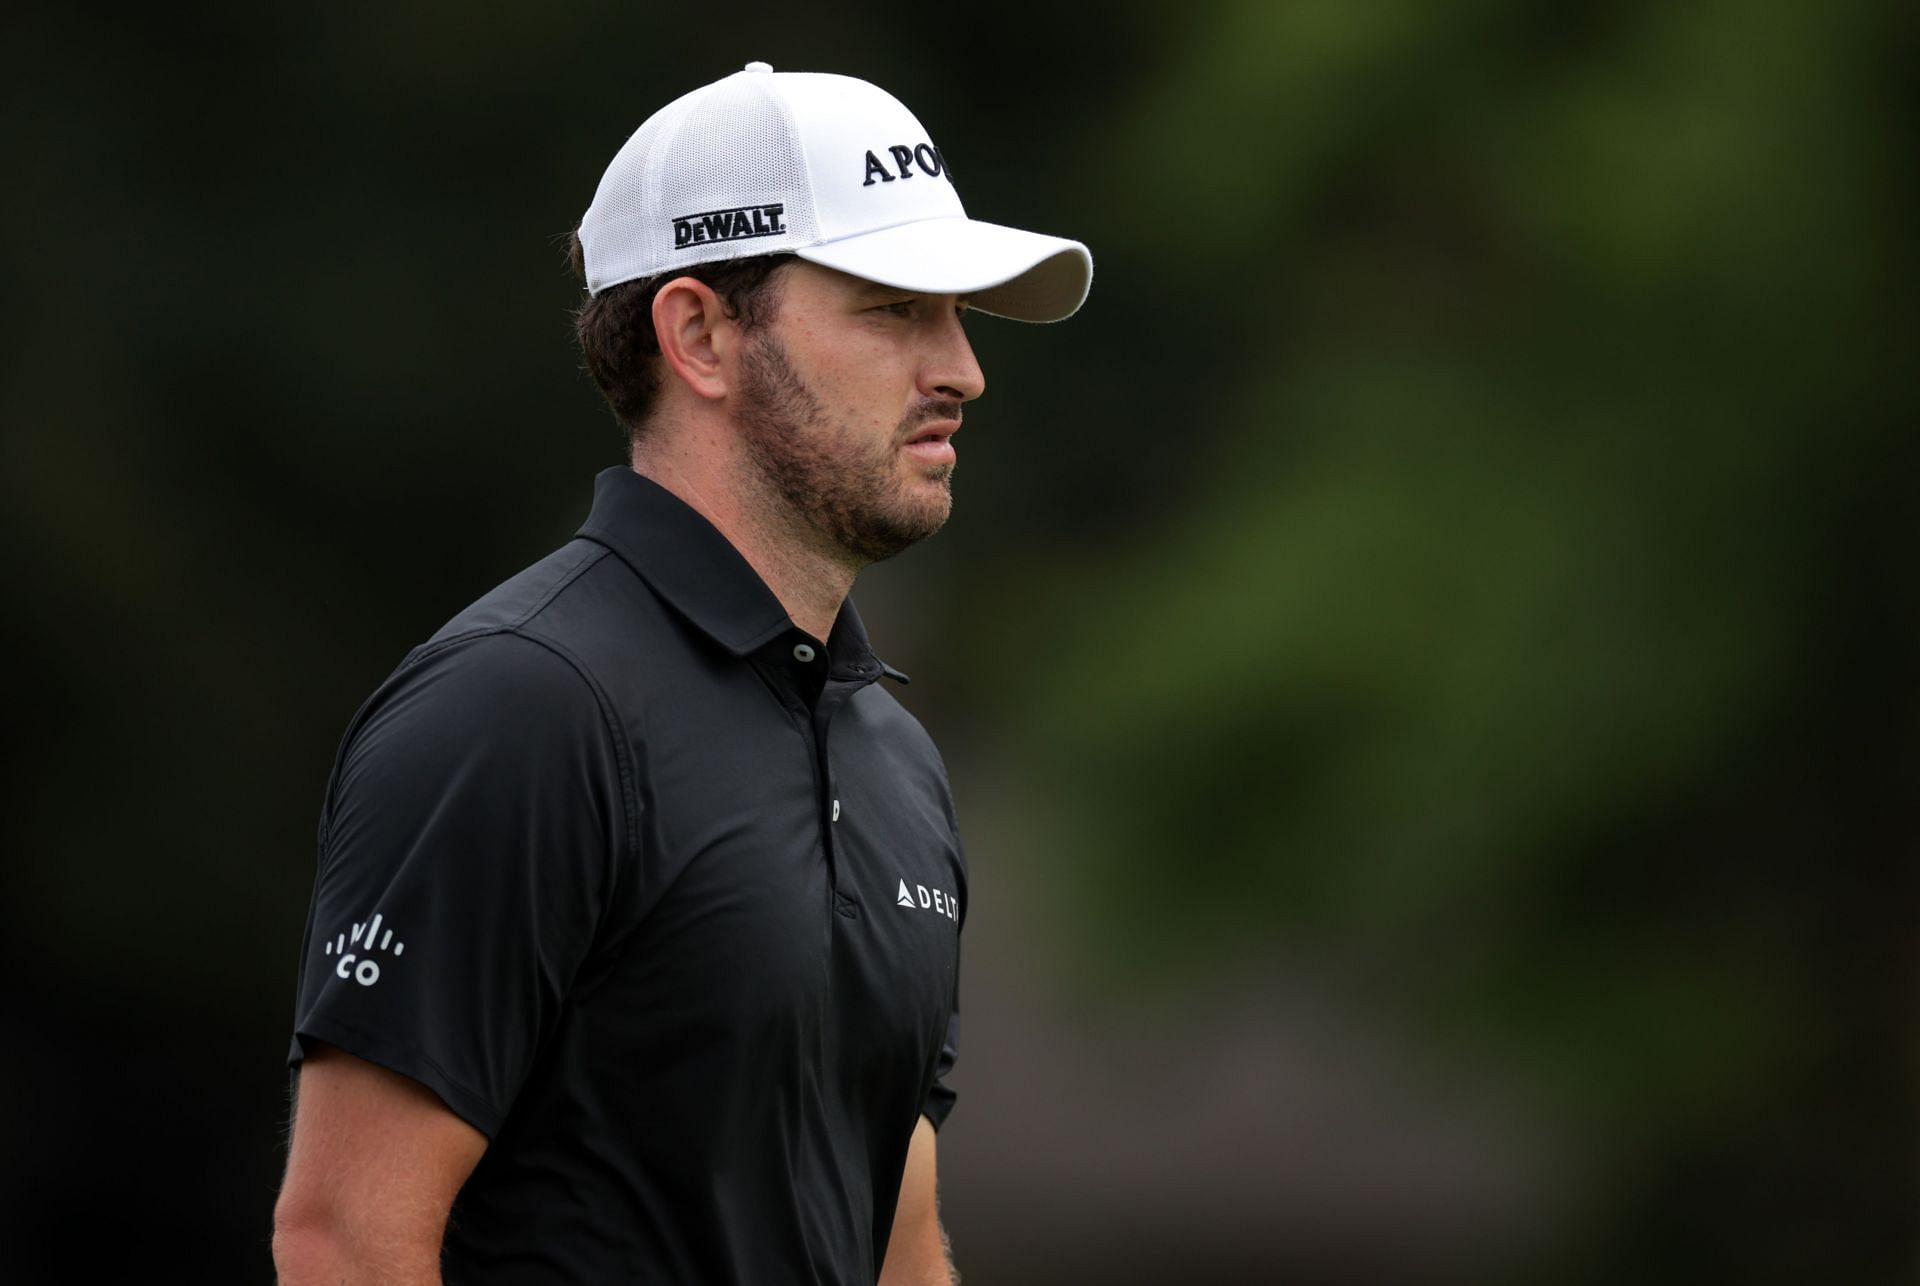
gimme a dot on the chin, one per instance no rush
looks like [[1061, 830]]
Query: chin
[[921, 517]]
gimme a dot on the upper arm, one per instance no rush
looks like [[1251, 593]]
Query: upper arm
[[373, 1167], [473, 829], [917, 1250]]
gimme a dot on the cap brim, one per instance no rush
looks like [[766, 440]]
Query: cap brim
[[1008, 272]]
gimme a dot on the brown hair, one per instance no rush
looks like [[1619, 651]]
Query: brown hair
[[615, 327]]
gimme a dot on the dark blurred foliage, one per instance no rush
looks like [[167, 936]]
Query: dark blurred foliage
[[1441, 617]]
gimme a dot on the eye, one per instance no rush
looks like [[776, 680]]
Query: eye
[[899, 308]]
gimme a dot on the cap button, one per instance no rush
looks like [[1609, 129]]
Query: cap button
[[757, 66]]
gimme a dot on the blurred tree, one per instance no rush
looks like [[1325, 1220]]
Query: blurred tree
[[1511, 649]]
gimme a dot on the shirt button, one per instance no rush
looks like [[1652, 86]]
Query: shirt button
[[836, 810], [802, 653]]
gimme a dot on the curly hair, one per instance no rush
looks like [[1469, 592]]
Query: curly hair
[[615, 327]]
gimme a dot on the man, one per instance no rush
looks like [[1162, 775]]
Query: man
[[634, 946]]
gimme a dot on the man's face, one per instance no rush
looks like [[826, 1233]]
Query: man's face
[[847, 401]]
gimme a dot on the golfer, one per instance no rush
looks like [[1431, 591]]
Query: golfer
[[635, 939]]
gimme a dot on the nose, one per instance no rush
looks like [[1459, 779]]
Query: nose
[[951, 371]]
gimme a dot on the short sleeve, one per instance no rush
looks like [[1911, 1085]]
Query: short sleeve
[[468, 846], [941, 1098]]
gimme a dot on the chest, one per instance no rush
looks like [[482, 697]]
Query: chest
[[798, 883]]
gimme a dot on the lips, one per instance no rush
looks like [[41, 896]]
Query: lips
[[932, 443]]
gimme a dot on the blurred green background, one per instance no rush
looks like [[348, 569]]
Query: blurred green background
[[1424, 657]]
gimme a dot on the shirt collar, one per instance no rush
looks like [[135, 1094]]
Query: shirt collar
[[698, 571]]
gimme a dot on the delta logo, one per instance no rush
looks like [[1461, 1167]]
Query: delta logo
[[921, 898]]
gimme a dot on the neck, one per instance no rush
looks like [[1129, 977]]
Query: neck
[[809, 577]]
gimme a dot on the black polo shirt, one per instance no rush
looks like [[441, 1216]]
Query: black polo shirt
[[661, 894]]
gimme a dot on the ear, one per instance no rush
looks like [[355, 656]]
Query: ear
[[695, 334]]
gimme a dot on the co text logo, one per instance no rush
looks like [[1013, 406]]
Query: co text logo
[[368, 939]]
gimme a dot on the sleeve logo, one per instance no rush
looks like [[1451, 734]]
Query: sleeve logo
[[368, 939]]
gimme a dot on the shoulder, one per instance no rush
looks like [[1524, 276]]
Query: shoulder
[[486, 737], [583, 603], [523, 649], [516, 669], [527, 595], [483, 694]]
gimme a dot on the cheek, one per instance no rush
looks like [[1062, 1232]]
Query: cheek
[[876, 394], [865, 380]]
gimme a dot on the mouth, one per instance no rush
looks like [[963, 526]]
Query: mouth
[[932, 442]]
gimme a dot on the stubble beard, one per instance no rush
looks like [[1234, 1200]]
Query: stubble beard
[[846, 493]]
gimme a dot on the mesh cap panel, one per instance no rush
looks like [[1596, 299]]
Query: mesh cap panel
[[727, 149]]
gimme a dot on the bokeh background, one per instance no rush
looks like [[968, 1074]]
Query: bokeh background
[[1426, 657]]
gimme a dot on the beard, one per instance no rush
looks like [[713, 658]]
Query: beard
[[848, 492]]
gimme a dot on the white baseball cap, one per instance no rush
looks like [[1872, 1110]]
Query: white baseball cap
[[829, 168]]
